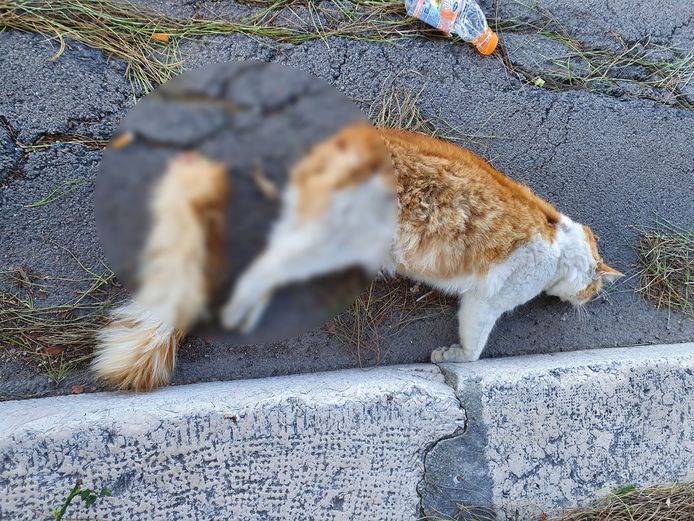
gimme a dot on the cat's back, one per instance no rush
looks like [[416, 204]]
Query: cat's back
[[425, 162], [451, 200]]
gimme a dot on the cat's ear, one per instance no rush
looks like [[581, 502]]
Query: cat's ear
[[607, 273]]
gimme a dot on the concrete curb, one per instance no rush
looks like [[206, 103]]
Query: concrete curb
[[549, 432], [342, 445], [543, 432]]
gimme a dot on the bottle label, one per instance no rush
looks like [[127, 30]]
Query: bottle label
[[437, 13]]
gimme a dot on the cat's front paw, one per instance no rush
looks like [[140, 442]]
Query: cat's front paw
[[452, 353]]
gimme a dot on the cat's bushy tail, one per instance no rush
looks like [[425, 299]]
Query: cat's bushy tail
[[183, 253], [137, 349]]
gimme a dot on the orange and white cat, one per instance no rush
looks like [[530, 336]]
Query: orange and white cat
[[383, 199], [459, 226]]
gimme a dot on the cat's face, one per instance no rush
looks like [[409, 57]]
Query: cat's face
[[584, 272], [600, 273]]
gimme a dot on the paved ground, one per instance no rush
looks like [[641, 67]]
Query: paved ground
[[604, 155]]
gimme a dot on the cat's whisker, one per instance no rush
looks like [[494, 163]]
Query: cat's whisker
[[581, 314]]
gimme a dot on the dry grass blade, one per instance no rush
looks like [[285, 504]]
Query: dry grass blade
[[672, 503], [54, 337], [58, 192], [666, 266], [383, 310], [148, 41]]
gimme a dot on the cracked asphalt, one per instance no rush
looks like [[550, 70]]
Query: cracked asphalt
[[607, 157]]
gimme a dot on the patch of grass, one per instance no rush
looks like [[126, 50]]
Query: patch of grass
[[627, 503], [638, 64], [55, 338], [606, 69], [368, 20], [672, 503], [383, 310], [666, 266], [399, 108], [145, 40], [57, 370], [148, 41]]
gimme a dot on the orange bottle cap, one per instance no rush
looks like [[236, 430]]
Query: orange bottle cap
[[487, 42]]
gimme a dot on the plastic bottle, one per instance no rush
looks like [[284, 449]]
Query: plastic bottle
[[461, 17]]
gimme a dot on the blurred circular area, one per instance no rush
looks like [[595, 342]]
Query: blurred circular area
[[257, 119]]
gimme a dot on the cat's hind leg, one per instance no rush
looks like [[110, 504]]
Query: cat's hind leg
[[293, 258]]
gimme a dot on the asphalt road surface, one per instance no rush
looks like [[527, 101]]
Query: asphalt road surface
[[606, 156]]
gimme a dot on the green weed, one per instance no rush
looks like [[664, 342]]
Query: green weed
[[87, 495]]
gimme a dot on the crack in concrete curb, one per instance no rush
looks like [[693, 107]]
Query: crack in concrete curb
[[458, 432], [549, 432], [461, 454]]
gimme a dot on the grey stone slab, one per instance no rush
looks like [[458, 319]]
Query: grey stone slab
[[556, 431], [342, 446]]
